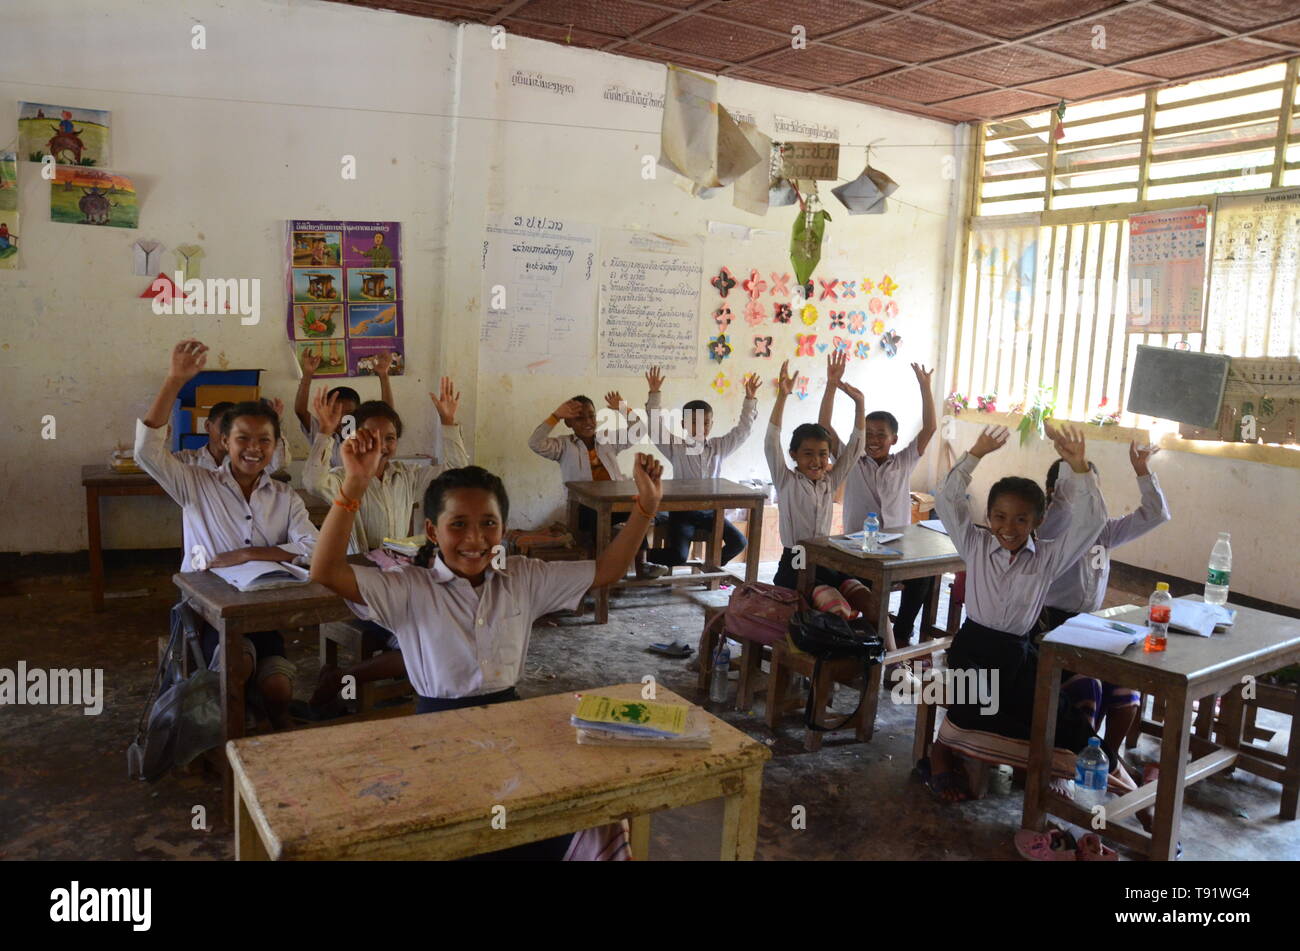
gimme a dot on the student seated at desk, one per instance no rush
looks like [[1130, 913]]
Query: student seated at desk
[[386, 510], [231, 515], [586, 457], [349, 399], [880, 482], [464, 622], [1081, 589], [1008, 572], [695, 454], [213, 454]]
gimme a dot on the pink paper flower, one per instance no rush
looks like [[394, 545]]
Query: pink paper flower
[[755, 285]]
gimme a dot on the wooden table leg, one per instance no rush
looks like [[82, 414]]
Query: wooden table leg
[[926, 714], [639, 840], [1042, 738], [778, 678], [574, 506], [823, 693], [1291, 777], [603, 530], [930, 610], [880, 588], [751, 661], [713, 557], [871, 687], [249, 846], [740, 818], [95, 544], [755, 541], [231, 650], [1173, 775], [1205, 716]]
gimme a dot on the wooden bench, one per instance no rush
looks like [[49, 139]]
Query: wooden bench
[[752, 654], [369, 695]]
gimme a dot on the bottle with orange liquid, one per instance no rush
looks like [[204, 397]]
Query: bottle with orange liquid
[[1158, 610]]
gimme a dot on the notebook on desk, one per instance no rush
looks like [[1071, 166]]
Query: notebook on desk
[[261, 575]]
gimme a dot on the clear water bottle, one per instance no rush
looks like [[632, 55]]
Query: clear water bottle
[[1158, 611], [720, 672], [1216, 579], [1090, 772], [870, 530]]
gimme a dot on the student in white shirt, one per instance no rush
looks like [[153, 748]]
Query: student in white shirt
[[464, 622], [349, 399], [694, 454], [386, 510], [213, 454], [232, 515], [880, 481], [1008, 572], [588, 456], [1081, 589]]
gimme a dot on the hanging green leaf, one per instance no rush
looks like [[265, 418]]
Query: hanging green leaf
[[806, 243], [1031, 424]]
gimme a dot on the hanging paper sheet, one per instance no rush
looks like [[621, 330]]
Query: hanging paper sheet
[[698, 138], [1166, 271], [649, 303], [539, 295], [344, 287]]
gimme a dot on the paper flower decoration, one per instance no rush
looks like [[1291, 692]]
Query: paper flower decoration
[[828, 289], [755, 285], [875, 305], [720, 383], [857, 322], [887, 286], [892, 308], [956, 402], [803, 344], [862, 349], [719, 348], [724, 282], [722, 317], [762, 346], [988, 404], [877, 326], [841, 346], [780, 284], [823, 347], [867, 285], [889, 343], [809, 314], [781, 313], [754, 313], [839, 319], [847, 288], [801, 388], [807, 290]]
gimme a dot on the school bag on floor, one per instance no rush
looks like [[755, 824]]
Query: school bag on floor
[[182, 717], [830, 637], [760, 612]]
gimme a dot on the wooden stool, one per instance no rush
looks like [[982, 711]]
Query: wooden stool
[[786, 662], [369, 695], [752, 654], [977, 771]]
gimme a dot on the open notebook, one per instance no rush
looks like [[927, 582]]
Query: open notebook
[[260, 575]]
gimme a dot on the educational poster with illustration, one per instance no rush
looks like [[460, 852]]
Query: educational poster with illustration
[[8, 182], [539, 295], [72, 135], [9, 238], [344, 285], [88, 196], [1166, 271]]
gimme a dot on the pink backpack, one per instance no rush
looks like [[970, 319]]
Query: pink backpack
[[759, 612]]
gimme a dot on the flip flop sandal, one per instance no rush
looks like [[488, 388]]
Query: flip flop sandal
[[1055, 845], [1092, 849], [675, 649]]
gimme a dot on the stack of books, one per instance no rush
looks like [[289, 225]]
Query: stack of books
[[123, 461], [409, 546], [609, 721]]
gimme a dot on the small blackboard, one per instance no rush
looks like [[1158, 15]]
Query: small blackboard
[[1181, 385]]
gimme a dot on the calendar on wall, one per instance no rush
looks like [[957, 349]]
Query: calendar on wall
[[1166, 271]]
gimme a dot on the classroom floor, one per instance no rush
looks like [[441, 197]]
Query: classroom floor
[[67, 795]]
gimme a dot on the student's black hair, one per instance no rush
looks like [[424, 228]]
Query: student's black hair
[[218, 410], [806, 431], [254, 408], [693, 405], [1026, 490], [884, 416], [377, 408], [346, 393], [1054, 473], [583, 399], [469, 477]]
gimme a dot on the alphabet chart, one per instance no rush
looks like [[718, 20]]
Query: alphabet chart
[[1166, 271]]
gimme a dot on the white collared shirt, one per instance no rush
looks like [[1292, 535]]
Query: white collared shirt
[[312, 431], [881, 487], [806, 508], [387, 505], [214, 512], [1006, 591], [1082, 588], [202, 458], [691, 459], [571, 453], [458, 641]]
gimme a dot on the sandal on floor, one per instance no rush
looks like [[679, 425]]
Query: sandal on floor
[[674, 649], [1055, 845], [1092, 849], [940, 783]]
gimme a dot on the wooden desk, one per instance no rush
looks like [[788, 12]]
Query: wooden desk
[[1192, 668], [236, 613], [100, 481], [425, 787], [679, 495]]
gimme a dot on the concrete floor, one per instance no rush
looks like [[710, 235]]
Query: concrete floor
[[67, 795]]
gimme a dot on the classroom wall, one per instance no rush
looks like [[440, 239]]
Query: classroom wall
[[226, 143]]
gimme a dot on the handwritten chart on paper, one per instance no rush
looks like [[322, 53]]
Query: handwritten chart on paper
[[539, 294], [1166, 271], [649, 303], [1254, 292]]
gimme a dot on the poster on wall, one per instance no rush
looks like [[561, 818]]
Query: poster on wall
[[9, 237], [1166, 271], [649, 303], [87, 196], [344, 288], [539, 295], [8, 181], [74, 136]]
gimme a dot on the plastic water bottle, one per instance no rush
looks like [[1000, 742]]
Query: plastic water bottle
[[1090, 772], [1216, 579], [1158, 611], [870, 529], [721, 671]]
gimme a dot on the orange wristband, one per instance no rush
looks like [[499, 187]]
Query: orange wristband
[[343, 502]]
